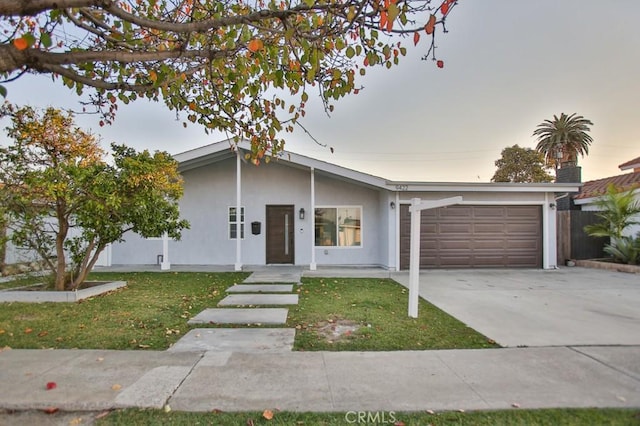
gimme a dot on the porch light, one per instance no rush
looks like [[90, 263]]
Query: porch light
[[301, 214], [392, 205]]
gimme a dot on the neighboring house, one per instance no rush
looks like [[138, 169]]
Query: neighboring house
[[302, 211], [591, 191]]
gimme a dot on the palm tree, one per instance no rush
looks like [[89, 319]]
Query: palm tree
[[561, 140]]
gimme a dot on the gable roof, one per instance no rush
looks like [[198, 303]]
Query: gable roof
[[226, 149], [596, 188]]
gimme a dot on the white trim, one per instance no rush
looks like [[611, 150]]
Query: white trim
[[481, 187], [165, 265], [313, 266], [238, 264], [545, 233]]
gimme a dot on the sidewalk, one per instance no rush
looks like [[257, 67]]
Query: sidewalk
[[89, 380]]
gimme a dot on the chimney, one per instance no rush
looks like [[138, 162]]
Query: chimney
[[570, 173]]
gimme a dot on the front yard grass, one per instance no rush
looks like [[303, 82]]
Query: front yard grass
[[153, 310], [150, 313], [356, 314], [547, 417]]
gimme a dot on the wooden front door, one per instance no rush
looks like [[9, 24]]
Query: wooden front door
[[280, 234]]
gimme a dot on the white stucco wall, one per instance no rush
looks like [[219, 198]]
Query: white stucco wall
[[211, 190]]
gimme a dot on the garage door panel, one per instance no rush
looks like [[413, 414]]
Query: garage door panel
[[453, 244], [475, 236], [520, 228], [523, 212], [454, 228], [496, 244], [454, 212], [488, 228], [488, 211], [523, 245]]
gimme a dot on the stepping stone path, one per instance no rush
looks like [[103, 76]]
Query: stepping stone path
[[259, 299], [261, 288], [266, 288], [241, 316]]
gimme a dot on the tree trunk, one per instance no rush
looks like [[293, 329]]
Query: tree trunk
[[63, 228], [3, 243]]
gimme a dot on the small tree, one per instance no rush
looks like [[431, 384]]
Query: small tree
[[56, 180], [521, 165], [619, 209]]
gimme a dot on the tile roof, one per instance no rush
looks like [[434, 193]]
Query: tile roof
[[630, 164], [595, 188]]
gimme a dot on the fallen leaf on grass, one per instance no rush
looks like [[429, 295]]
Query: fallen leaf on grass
[[101, 415], [51, 385], [43, 333], [1, 331], [167, 408], [267, 414], [28, 330]]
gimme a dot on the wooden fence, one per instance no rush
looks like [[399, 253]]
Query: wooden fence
[[573, 242]]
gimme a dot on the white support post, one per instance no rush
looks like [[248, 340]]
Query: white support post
[[312, 213], [414, 258], [414, 254], [165, 265], [238, 264]]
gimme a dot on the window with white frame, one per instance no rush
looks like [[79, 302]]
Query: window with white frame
[[234, 220], [338, 226]]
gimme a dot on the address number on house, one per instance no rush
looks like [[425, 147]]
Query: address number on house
[[402, 187]]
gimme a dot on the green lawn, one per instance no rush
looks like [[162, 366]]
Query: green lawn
[[378, 307], [152, 313], [515, 417]]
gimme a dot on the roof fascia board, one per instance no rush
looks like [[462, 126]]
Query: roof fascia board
[[481, 187]]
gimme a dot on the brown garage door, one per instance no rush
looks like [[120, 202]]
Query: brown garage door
[[475, 237]]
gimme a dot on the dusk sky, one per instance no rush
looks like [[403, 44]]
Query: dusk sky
[[508, 65]]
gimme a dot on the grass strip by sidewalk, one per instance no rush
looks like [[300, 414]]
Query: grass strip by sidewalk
[[153, 310], [546, 417], [358, 314]]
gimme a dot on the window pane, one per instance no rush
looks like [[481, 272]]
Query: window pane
[[349, 231], [325, 232], [232, 214], [232, 231], [242, 230]]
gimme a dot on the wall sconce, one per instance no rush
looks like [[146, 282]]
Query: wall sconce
[[552, 205], [392, 205], [301, 214]]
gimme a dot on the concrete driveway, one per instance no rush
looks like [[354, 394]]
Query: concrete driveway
[[563, 307]]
